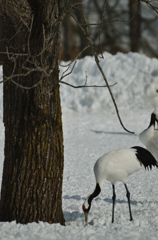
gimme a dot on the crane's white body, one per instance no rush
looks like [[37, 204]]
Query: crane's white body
[[116, 166]]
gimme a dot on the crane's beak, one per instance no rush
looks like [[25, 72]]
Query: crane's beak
[[86, 218]]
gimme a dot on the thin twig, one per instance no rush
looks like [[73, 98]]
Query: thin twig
[[107, 22], [63, 76], [76, 4], [154, 8], [27, 88], [14, 54], [75, 57], [29, 36], [25, 74]]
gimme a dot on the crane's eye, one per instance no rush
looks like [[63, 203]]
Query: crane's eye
[[83, 207]]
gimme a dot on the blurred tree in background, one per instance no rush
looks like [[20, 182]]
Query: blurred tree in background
[[126, 26]]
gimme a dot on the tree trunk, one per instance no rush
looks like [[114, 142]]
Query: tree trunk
[[135, 23], [33, 165]]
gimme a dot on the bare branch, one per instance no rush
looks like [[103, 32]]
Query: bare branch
[[76, 4], [14, 54], [75, 57], [80, 86], [154, 8], [85, 85], [27, 88], [63, 76], [100, 68], [29, 31], [17, 32], [29, 70]]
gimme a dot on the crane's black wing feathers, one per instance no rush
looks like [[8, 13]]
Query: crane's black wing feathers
[[145, 157]]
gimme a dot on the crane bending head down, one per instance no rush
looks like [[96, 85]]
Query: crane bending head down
[[118, 166]]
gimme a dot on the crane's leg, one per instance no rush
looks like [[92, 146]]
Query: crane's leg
[[129, 204], [113, 198]]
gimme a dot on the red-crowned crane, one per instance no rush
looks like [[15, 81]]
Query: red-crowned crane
[[118, 166]]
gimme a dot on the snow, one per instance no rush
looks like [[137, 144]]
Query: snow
[[91, 128]]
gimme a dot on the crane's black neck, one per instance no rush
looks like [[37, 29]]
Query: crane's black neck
[[152, 120], [94, 194]]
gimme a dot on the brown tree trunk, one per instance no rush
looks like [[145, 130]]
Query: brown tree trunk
[[34, 154]]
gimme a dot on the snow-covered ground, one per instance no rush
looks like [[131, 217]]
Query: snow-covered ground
[[91, 128]]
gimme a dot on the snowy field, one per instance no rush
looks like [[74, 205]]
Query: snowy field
[[91, 128]]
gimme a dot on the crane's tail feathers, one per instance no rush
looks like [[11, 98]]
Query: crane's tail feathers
[[145, 157]]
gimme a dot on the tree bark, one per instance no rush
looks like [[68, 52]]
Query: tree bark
[[34, 153]]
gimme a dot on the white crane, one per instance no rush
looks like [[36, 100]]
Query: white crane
[[118, 166], [149, 137]]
